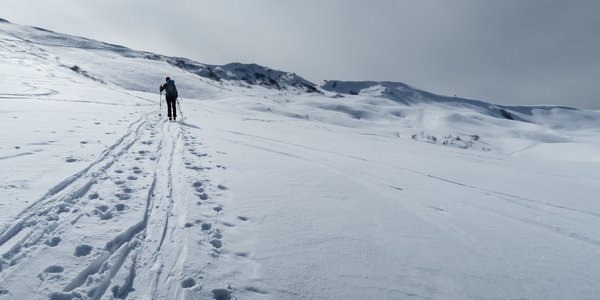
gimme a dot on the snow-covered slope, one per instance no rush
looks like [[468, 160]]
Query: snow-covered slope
[[105, 53], [269, 187], [553, 116]]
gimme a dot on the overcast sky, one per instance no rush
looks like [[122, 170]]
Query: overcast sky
[[501, 51]]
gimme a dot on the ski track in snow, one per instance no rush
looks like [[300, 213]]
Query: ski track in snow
[[288, 149], [144, 220]]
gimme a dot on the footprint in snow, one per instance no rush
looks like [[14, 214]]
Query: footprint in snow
[[70, 160], [51, 272], [63, 208], [52, 217], [53, 242], [106, 215], [256, 290], [83, 250], [54, 269], [188, 283], [123, 196], [216, 243], [132, 177], [221, 294], [228, 224], [103, 212]]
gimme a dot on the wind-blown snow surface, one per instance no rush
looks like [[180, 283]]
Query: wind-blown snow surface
[[264, 191]]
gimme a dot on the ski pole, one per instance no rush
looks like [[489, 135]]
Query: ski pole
[[179, 106], [160, 105]]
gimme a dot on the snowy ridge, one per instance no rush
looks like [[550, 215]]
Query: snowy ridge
[[266, 190], [247, 74], [407, 95], [250, 74]]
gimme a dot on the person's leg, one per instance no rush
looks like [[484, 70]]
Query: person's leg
[[169, 101], [175, 108]]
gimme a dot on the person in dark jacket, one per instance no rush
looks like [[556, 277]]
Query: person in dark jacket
[[171, 96]]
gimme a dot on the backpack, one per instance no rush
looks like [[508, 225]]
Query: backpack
[[170, 88]]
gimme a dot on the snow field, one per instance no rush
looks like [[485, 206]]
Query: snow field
[[366, 190]]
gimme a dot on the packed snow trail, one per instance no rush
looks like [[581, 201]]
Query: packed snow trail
[[120, 226]]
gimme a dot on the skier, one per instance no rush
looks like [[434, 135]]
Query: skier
[[171, 96]]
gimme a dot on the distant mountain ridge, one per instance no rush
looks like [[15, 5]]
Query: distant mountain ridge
[[407, 95], [251, 75]]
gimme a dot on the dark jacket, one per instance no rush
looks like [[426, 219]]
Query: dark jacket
[[171, 89]]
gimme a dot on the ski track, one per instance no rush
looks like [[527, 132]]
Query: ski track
[[143, 214], [74, 101], [16, 155], [515, 200]]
